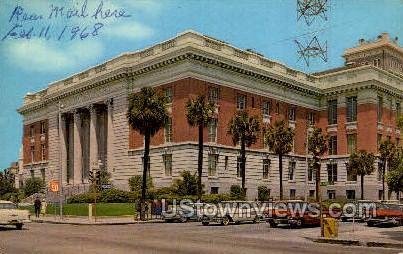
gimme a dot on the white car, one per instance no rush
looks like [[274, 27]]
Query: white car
[[10, 215]]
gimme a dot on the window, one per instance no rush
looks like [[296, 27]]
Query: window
[[148, 164], [332, 173], [332, 111], [380, 194], [212, 164], [292, 193], [332, 145], [32, 153], [291, 114], [241, 102], [277, 108], [350, 194], [377, 62], [32, 173], [311, 193], [212, 131], [168, 130], [43, 128], [311, 118], [351, 143], [253, 102], [380, 108], [398, 110], [311, 171], [213, 95], [378, 140], [43, 174], [31, 131], [225, 162], [214, 190], [238, 166], [266, 168], [380, 170], [43, 152], [291, 170], [331, 194], [352, 109], [266, 108], [167, 159], [351, 176], [168, 94]]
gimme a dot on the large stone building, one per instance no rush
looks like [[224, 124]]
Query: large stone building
[[80, 122]]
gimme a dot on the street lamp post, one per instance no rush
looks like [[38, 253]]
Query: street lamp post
[[60, 106]]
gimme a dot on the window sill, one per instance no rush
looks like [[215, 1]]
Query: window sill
[[351, 182]]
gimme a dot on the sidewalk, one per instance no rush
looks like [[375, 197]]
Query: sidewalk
[[84, 220]]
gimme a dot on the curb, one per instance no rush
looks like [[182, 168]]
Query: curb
[[337, 241], [357, 243], [385, 245], [97, 223]]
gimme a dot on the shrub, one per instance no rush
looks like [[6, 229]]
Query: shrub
[[135, 183], [88, 197], [237, 193], [216, 198], [187, 185], [263, 193], [114, 196], [33, 185]]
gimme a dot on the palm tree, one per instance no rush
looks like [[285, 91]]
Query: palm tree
[[199, 112], [317, 146], [147, 114], [280, 139], [394, 177], [362, 164], [244, 129], [386, 153]]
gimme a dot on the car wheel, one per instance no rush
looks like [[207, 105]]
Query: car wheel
[[19, 226], [183, 219], [299, 223], [205, 223], [370, 224], [273, 224], [225, 221]]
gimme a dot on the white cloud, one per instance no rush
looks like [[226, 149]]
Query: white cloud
[[39, 55], [130, 30]]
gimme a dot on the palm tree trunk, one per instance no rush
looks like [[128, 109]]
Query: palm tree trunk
[[317, 180], [243, 165], [280, 168], [362, 187], [200, 163], [145, 169]]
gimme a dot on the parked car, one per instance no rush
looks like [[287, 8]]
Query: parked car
[[232, 212], [10, 215], [182, 215], [287, 213], [387, 215], [362, 213]]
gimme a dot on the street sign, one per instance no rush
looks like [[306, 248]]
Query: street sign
[[54, 186], [106, 186]]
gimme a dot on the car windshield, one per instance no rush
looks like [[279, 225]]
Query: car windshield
[[7, 206]]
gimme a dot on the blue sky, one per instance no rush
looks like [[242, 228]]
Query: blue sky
[[267, 26]]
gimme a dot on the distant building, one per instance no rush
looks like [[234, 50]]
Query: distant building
[[356, 105]]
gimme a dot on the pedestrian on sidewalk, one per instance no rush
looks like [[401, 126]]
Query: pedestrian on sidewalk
[[37, 206]]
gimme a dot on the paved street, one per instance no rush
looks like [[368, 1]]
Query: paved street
[[170, 238]]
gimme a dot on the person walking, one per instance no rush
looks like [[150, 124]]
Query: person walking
[[37, 205]]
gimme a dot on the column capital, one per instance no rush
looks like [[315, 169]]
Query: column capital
[[77, 114], [92, 108], [109, 102]]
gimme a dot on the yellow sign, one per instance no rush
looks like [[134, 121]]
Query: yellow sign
[[330, 228], [54, 186]]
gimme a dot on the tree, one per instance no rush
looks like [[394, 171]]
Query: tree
[[317, 146], [147, 114], [400, 122], [6, 183], [394, 177], [362, 164], [387, 150], [33, 185], [280, 139], [188, 185], [244, 130], [199, 113]]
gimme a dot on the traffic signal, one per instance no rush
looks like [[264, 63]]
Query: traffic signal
[[98, 177]]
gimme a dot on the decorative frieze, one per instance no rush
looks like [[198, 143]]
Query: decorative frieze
[[212, 44], [168, 44], [241, 54], [100, 68], [147, 53]]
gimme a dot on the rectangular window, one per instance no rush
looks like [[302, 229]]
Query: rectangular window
[[253, 102], [226, 163], [43, 174], [332, 111], [291, 114], [311, 171], [266, 168], [212, 164], [292, 193], [168, 94], [311, 193], [212, 131], [31, 131], [332, 145], [351, 176], [380, 194], [168, 130], [241, 102], [43, 152], [380, 108], [351, 143], [43, 128], [311, 118], [32, 173], [214, 190], [350, 194], [378, 140], [238, 166], [277, 108], [266, 108], [398, 110], [351, 109], [379, 178], [213, 95], [331, 194], [32, 153], [332, 173], [291, 170], [167, 158]]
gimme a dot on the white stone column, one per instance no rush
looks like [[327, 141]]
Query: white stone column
[[77, 149], [93, 137], [63, 149], [110, 138]]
